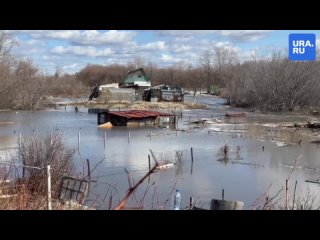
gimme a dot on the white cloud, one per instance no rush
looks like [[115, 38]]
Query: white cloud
[[62, 34], [234, 35], [88, 37], [183, 39], [222, 44], [184, 33], [32, 47], [245, 35], [228, 45], [83, 51], [71, 66], [93, 37], [51, 34], [166, 58], [181, 48], [154, 46]]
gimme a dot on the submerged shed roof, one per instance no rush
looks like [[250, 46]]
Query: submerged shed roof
[[136, 114]]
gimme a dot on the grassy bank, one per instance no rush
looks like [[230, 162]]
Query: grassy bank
[[140, 105]]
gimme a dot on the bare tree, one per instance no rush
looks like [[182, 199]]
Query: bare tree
[[29, 86], [207, 71], [224, 56], [39, 152], [6, 44]]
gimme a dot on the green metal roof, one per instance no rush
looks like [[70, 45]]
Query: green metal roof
[[138, 75], [132, 79]]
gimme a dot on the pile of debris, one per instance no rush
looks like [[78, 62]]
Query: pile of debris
[[312, 125], [204, 121]]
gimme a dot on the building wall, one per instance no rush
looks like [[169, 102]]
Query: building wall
[[117, 94]]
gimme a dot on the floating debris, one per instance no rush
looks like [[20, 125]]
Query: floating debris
[[165, 164], [282, 144], [290, 166], [106, 125], [247, 163], [4, 123], [241, 114], [226, 131], [206, 121]]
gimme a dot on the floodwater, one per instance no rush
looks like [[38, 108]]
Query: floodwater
[[259, 160]]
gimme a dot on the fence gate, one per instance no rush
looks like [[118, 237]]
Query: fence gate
[[73, 189]]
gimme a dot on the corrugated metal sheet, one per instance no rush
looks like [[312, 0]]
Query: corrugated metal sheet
[[138, 114]]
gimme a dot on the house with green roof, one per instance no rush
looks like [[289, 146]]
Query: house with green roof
[[137, 78]]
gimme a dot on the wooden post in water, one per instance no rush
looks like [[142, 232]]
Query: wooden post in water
[[110, 202], [287, 194], [50, 138], [294, 195], [128, 136], [191, 202], [191, 154], [89, 169], [191, 160], [105, 140], [222, 194], [20, 140], [49, 187], [19, 155], [79, 140], [149, 161]]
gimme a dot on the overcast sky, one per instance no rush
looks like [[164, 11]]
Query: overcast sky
[[71, 50]]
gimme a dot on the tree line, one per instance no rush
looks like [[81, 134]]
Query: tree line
[[270, 84]]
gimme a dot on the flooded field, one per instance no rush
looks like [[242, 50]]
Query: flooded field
[[260, 156]]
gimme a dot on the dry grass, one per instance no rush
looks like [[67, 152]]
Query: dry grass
[[166, 105], [140, 105], [26, 187], [23, 200], [111, 104]]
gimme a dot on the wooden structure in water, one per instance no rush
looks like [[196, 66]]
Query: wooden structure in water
[[97, 110], [135, 118], [240, 114], [226, 205], [163, 93]]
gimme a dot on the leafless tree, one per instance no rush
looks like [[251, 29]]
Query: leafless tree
[[39, 152], [207, 68], [6, 44]]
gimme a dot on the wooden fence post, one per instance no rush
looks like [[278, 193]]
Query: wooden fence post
[[49, 187]]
